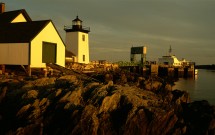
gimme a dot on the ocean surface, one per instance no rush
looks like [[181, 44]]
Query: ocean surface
[[200, 87]]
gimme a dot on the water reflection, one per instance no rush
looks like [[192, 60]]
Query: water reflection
[[200, 87], [196, 77]]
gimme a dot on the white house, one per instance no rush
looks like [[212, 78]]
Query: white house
[[77, 41], [27, 42]]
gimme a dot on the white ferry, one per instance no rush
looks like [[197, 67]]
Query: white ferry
[[172, 60]]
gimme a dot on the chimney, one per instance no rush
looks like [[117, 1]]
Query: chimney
[[2, 7]]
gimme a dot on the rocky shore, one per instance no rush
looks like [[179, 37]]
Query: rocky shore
[[118, 103]]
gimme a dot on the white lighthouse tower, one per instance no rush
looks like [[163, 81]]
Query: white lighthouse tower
[[77, 41]]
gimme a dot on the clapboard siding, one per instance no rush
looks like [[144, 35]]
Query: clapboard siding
[[14, 53]]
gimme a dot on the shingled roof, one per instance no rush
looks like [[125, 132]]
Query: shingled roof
[[21, 32], [8, 17]]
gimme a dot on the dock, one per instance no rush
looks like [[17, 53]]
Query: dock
[[163, 71], [168, 65]]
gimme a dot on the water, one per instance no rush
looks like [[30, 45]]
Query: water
[[200, 87]]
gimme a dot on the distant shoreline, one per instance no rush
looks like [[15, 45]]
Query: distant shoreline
[[212, 67]]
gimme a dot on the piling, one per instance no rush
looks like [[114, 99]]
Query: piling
[[180, 72], [171, 72], [190, 72], [162, 71], [154, 69]]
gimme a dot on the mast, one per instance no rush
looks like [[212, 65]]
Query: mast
[[170, 50]]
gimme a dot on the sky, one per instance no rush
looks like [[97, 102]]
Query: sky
[[188, 26]]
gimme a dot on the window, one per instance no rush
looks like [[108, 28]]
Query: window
[[83, 37], [83, 57]]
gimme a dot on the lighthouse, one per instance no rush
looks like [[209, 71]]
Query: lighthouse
[[77, 40]]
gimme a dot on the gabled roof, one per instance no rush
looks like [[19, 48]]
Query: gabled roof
[[8, 17], [21, 32]]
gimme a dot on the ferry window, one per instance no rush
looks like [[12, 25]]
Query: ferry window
[[83, 57], [83, 37]]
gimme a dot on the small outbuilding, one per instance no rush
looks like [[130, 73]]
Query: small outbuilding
[[29, 43]]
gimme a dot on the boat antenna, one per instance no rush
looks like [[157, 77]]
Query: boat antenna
[[170, 50]]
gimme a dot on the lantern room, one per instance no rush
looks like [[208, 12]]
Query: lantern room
[[77, 24]]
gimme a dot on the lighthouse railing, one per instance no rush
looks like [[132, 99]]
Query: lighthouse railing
[[69, 27]]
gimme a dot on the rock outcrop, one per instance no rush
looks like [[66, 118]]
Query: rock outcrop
[[73, 105]]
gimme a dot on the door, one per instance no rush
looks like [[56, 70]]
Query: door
[[49, 52]]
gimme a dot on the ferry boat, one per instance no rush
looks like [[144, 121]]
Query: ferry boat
[[172, 61], [169, 60]]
